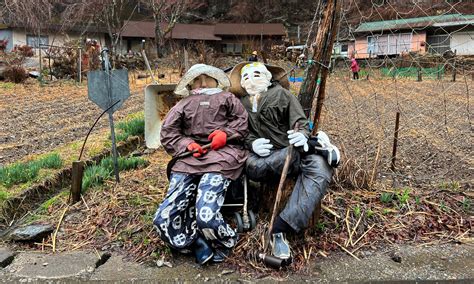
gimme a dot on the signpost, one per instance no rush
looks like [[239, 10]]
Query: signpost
[[105, 88]]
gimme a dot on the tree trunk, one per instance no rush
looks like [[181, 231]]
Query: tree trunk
[[158, 41], [321, 57]]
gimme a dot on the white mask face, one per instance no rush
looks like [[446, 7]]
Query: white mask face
[[255, 78]]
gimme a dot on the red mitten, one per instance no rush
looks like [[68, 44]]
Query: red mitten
[[218, 139], [196, 147]]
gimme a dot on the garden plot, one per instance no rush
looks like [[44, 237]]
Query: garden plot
[[37, 119]]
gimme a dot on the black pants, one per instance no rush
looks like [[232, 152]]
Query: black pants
[[355, 75]]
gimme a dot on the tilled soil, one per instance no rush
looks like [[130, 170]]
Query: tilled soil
[[435, 128], [37, 119], [434, 138]]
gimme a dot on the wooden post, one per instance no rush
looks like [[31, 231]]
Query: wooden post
[[79, 63], [326, 33], [39, 53], [395, 142], [439, 73], [76, 183], [186, 61], [49, 65], [419, 75], [323, 44], [370, 57], [454, 67]]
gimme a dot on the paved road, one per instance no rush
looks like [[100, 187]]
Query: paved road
[[402, 263]]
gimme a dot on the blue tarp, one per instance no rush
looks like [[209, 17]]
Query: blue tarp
[[296, 79]]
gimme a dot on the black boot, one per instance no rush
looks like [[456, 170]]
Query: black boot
[[202, 251], [220, 255]]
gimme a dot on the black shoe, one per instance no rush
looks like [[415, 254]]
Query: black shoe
[[202, 251], [220, 255]]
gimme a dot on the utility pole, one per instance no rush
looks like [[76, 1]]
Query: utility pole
[[318, 66]]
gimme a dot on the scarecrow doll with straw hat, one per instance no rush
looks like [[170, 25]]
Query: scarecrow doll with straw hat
[[189, 218], [273, 113]]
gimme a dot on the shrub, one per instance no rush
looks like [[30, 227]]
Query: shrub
[[65, 60], [23, 50], [15, 73], [3, 44]]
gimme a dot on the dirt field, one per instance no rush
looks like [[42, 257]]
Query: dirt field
[[435, 137], [435, 134], [37, 119]]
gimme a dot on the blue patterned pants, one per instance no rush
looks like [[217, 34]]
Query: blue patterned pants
[[192, 208]]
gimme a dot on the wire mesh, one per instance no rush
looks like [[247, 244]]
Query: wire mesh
[[430, 90]]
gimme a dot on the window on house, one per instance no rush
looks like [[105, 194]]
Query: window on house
[[344, 48], [232, 48], [35, 41], [371, 43], [404, 43], [389, 44], [438, 43]]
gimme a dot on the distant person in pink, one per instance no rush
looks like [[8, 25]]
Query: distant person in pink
[[355, 69]]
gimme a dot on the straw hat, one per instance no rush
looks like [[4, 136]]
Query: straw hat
[[197, 70], [278, 74], [255, 52]]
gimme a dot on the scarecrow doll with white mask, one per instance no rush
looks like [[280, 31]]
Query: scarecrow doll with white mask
[[189, 217], [273, 113]]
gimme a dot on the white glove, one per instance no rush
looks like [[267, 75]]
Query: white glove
[[261, 147], [298, 139], [324, 147]]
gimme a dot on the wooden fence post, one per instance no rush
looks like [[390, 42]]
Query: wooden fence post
[[395, 142], [76, 183], [79, 63], [454, 67]]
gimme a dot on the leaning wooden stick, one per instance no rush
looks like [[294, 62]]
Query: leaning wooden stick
[[284, 173]]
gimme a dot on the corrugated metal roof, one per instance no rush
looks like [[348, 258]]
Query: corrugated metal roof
[[447, 20], [192, 31], [139, 29], [180, 31], [250, 29]]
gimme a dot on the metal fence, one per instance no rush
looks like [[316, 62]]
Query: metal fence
[[407, 122]]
